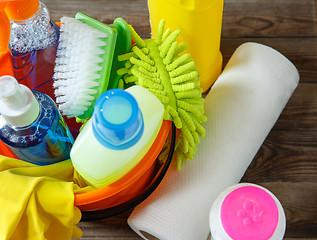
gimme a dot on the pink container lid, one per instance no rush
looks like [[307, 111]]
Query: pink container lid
[[249, 213]]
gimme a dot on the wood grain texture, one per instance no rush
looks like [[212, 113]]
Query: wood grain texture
[[290, 151], [243, 18], [299, 202], [286, 163], [269, 18], [111, 229], [134, 12], [302, 51]]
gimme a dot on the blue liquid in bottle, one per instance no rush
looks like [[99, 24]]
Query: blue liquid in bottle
[[44, 141]]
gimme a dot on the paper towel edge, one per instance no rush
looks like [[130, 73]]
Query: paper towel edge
[[138, 231], [277, 54]]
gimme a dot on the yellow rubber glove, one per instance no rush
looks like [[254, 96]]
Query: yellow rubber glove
[[37, 202]]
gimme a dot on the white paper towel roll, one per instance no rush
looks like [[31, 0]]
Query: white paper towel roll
[[242, 107]]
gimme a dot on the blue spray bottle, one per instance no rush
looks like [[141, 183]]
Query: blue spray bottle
[[31, 125]]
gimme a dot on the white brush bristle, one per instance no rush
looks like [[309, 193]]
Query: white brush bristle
[[76, 71]]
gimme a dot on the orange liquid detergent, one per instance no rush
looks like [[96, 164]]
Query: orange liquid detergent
[[35, 69]]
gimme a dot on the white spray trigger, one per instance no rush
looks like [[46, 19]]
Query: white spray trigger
[[18, 105], [11, 93]]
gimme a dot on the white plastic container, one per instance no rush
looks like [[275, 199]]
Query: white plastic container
[[247, 211]]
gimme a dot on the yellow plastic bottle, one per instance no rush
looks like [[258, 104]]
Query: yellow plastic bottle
[[200, 22]]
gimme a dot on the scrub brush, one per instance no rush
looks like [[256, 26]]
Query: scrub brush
[[83, 64], [123, 45], [158, 65]]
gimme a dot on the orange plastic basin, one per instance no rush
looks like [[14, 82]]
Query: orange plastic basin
[[126, 188], [130, 185]]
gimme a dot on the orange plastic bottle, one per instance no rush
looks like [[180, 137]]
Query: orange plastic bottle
[[5, 60]]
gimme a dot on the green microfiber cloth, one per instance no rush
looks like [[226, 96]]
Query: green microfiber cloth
[[159, 66]]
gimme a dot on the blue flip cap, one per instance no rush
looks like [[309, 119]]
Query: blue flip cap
[[117, 121]]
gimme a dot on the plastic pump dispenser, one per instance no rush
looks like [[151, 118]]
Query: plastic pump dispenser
[[122, 129], [18, 105], [31, 125]]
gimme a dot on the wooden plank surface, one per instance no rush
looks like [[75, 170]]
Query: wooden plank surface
[[286, 164], [302, 51], [269, 18]]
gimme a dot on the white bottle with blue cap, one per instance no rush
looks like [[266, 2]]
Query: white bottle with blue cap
[[122, 129]]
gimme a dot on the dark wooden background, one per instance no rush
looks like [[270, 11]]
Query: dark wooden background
[[286, 164]]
